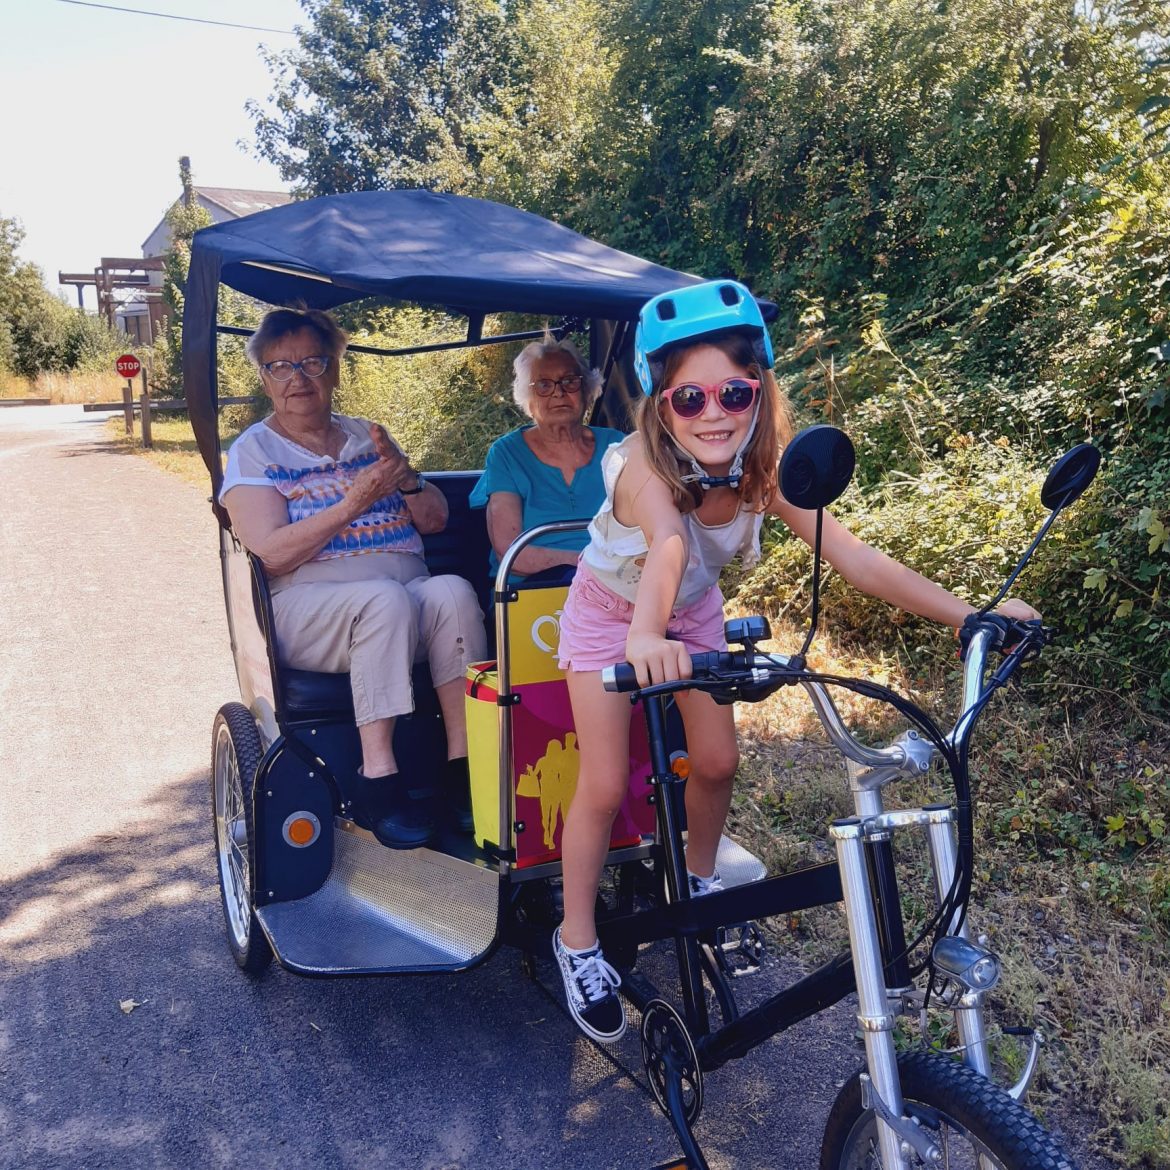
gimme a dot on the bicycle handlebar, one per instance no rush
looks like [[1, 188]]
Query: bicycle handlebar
[[747, 675]]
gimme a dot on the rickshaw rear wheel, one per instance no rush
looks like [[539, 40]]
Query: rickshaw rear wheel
[[235, 755]]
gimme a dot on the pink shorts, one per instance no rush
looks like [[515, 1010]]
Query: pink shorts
[[596, 621]]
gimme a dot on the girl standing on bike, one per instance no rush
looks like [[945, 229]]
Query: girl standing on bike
[[685, 493]]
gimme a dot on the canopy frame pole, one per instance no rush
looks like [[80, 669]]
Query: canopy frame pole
[[567, 325]]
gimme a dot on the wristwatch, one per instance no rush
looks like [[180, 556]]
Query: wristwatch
[[419, 484]]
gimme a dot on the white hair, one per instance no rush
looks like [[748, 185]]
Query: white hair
[[548, 346]]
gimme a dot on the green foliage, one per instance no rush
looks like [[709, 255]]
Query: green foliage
[[38, 332], [381, 94], [960, 519], [445, 408]]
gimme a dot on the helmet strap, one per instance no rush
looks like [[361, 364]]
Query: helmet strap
[[703, 478]]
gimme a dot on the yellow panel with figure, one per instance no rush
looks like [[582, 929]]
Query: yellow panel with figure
[[545, 756]]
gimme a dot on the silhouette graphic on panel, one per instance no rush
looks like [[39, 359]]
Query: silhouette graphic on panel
[[553, 779]]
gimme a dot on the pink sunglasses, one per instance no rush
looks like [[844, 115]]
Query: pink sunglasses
[[734, 396]]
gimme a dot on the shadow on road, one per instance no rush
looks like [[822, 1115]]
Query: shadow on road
[[215, 1068]]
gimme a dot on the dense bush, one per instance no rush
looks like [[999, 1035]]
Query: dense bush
[[962, 211], [444, 408]]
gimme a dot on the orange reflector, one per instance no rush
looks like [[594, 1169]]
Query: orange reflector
[[681, 766], [301, 831]]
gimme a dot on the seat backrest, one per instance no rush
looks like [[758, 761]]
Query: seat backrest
[[463, 546]]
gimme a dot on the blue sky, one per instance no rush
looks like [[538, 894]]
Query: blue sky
[[99, 105]]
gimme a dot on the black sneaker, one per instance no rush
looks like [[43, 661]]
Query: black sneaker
[[590, 989]]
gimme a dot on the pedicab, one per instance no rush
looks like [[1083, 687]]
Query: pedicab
[[300, 880]]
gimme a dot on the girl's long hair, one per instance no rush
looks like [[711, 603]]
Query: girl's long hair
[[773, 430]]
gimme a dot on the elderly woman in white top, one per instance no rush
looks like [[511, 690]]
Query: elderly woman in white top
[[335, 512]]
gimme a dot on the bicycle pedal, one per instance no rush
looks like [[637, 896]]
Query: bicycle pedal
[[740, 949]]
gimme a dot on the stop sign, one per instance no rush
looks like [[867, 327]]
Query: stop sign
[[128, 366]]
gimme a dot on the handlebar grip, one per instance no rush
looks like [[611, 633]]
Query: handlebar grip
[[620, 677], [1008, 631]]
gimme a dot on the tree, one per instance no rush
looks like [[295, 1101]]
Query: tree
[[38, 332], [381, 93]]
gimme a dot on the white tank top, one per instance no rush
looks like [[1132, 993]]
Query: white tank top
[[616, 554]]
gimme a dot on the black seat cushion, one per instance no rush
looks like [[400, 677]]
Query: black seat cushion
[[311, 692]]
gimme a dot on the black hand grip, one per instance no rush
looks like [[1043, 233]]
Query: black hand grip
[[621, 677], [1009, 631]]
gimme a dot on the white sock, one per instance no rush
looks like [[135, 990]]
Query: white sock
[[583, 950]]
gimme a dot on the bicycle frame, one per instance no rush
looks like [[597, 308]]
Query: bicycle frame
[[876, 964]]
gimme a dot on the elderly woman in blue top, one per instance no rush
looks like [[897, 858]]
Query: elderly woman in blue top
[[333, 509], [550, 470]]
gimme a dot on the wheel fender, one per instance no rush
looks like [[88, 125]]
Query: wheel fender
[[293, 810]]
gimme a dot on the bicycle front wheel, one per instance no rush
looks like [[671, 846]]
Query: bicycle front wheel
[[975, 1123]]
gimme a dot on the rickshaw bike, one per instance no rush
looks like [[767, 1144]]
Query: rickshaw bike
[[301, 881]]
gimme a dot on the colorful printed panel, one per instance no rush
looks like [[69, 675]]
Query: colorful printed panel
[[545, 756]]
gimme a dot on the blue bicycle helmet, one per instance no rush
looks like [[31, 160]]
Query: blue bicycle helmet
[[698, 311]]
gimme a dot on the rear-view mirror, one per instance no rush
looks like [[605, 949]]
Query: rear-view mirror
[[816, 467], [1070, 475]]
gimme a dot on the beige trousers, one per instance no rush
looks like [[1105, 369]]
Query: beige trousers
[[376, 630]]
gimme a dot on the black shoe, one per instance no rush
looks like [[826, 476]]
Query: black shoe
[[591, 991], [392, 814], [457, 790]]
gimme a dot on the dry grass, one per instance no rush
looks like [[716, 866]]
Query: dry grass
[[65, 388], [174, 447]]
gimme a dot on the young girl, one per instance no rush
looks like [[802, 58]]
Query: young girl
[[685, 493]]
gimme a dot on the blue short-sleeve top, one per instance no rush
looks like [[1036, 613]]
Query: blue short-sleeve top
[[545, 497]]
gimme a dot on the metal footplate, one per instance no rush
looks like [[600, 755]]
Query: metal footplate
[[386, 910], [736, 865]]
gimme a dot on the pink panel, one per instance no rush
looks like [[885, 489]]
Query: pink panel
[[546, 761]]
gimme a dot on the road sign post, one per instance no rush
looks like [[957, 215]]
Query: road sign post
[[128, 366], [144, 398]]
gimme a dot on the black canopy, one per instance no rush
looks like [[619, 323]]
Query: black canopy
[[467, 255]]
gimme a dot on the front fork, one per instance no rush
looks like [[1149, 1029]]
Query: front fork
[[878, 1003], [968, 1010], [874, 1013]]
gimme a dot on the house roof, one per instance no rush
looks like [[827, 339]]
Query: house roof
[[236, 201], [242, 202]]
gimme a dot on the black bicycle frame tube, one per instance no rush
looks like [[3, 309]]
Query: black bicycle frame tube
[[814, 993], [670, 810], [883, 881]]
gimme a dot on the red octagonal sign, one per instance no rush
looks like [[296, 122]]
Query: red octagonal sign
[[128, 366]]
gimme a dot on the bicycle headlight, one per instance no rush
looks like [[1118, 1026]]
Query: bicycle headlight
[[976, 968]]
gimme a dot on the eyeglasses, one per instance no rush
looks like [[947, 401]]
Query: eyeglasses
[[311, 367], [570, 384], [734, 396]]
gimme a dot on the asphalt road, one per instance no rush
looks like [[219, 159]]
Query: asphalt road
[[115, 660]]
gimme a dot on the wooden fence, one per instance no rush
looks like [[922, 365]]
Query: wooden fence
[[145, 407]]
